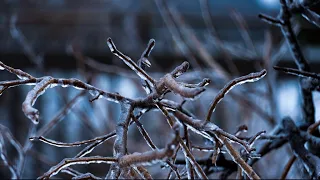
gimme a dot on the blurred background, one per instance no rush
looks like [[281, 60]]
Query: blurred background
[[221, 39]]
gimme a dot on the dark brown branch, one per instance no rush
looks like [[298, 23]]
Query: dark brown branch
[[287, 167]]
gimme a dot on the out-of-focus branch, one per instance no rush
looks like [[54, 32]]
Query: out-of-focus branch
[[288, 8]]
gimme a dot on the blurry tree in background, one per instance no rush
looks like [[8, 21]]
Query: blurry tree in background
[[184, 89]]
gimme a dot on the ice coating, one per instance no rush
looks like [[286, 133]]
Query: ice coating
[[252, 77], [31, 98], [74, 161], [128, 61], [1, 67], [1, 89], [94, 93], [22, 77]]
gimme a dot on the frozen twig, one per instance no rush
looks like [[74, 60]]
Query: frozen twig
[[19, 73], [128, 61], [184, 91], [202, 127], [144, 62], [124, 161], [148, 158], [252, 77], [73, 161], [187, 153], [74, 144], [237, 159]]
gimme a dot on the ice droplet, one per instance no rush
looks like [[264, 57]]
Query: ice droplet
[[77, 88], [53, 85], [22, 77], [94, 93]]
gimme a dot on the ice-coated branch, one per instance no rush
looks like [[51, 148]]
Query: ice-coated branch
[[74, 161], [147, 51], [149, 157], [74, 144], [19, 73], [128, 61], [177, 88], [252, 77], [237, 158], [120, 143], [143, 172], [144, 133], [144, 62], [182, 68], [203, 127], [50, 82], [186, 151], [86, 176], [32, 96], [145, 158]]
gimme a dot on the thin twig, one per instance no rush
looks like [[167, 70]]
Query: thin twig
[[252, 77]]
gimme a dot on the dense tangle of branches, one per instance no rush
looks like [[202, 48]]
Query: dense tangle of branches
[[303, 137]]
